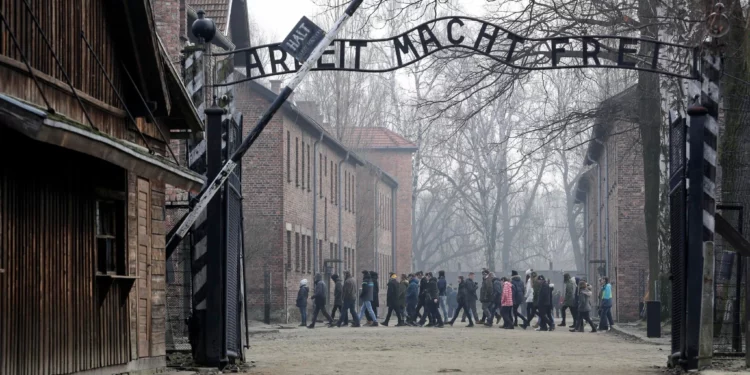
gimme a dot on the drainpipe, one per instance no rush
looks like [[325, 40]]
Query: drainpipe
[[394, 191], [340, 265], [315, 204], [606, 205], [375, 224], [598, 204]]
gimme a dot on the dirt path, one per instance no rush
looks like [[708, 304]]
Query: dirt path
[[479, 350]]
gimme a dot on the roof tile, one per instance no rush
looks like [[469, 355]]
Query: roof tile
[[217, 10], [376, 138]]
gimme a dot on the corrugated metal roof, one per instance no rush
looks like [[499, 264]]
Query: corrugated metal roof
[[217, 10]]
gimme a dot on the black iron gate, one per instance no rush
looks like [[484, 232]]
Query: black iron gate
[[678, 234], [232, 129], [729, 287]]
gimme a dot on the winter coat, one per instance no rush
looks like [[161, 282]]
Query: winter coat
[[577, 292], [452, 298], [529, 291], [401, 299], [320, 293], [412, 292], [537, 286], [350, 290], [338, 293], [544, 298], [507, 299], [584, 301], [485, 293], [302, 296], [422, 286], [432, 292], [375, 293], [442, 284], [570, 293], [367, 290], [392, 293], [461, 295], [518, 289], [497, 291], [471, 292]]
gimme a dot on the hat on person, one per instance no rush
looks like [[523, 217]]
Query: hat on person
[[551, 285], [528, 272], [303, 282], [335, 277], [393, 276], [514, 273]]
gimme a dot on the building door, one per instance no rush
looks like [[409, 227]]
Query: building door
[[144, 267]]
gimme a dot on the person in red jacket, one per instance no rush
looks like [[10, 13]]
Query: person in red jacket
[[506, 304]]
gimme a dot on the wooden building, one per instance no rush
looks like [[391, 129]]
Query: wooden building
[[88, 100]]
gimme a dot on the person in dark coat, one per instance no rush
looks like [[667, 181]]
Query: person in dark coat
[[461, 298], [432, 298], [519, 291], [471, 296], [575, 301], [403, 285], [584, 307], [422, 289], [350, 300], [543, 303], [497, 295], [452, 300], [375, 294], [568, 297], [442, 285], [302, 301], [485, 297], [320, 301], [412, 299], [338, 297], [392, 300], [366, 297]]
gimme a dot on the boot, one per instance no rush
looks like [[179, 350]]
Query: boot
[[561, 324], [470, 325]]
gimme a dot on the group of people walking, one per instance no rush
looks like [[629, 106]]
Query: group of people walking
[[418, 300]]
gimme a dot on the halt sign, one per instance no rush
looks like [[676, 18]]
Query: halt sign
[[303, 39]]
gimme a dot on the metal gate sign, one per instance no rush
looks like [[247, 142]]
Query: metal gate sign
[[303, 39], [476, 36]]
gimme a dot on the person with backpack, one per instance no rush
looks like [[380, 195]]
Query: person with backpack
[[392, 300], [518, 298], [302, 294], [320, 301], [350, 300], [366, 297], [568, 299], [584, 307], [461, 299], [338, 297], [412, 299]]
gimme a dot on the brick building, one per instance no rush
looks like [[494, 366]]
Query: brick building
[[299, 188], [391, 153], [375, 217], [82, 232], [612, 192]]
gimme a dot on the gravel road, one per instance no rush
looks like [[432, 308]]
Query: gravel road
[[478, 350]]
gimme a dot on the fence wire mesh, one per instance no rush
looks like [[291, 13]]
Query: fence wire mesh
[[729, 289], [179, 291]]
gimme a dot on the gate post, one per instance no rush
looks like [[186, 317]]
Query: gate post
[[703, 140]]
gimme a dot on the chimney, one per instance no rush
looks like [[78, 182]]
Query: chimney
[[311, 109], [276, 86]]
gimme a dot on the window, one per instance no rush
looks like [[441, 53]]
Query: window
[[288, 157], [331, 255], [332, 184], [303, 165], [320, 175], [296, 160], [110, 245], [296, 253], [289, 250], [336, 189], [325, 166], [320, 255], [309, 188], [353, 194], [309, 254], [346, 190]]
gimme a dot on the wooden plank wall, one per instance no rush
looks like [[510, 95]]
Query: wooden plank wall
[[62, 22], [50, 319]]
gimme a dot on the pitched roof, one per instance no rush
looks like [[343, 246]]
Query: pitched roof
[[376, 138], [217, 10]]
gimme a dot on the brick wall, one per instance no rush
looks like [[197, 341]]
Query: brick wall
[[169, 16], [398, 164], [630, 238], [372, 222], [625, 236]]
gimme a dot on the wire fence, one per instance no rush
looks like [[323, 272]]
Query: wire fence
[[729, 289]]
